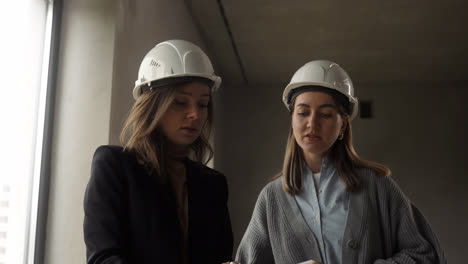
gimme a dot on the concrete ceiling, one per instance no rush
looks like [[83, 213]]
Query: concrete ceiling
[[263, 42]]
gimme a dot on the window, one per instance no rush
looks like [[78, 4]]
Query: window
[[25, 30]]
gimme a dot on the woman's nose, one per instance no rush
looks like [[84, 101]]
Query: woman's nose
[[193, 113], [313, 121]]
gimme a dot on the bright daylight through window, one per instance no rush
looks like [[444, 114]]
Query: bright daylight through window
[[25, 30]]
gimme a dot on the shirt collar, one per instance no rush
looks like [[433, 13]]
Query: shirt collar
[[326, 169]]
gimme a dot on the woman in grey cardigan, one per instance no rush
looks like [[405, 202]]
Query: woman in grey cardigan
[[328, 204]]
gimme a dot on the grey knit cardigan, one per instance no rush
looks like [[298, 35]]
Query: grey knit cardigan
[[383, 226]]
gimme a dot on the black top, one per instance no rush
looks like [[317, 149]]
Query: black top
[[131, 218]]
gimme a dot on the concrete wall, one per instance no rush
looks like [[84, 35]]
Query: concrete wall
[[419, 131], [140, 26], [81, 121]]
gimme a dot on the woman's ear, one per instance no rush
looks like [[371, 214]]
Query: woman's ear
[[344, 124]]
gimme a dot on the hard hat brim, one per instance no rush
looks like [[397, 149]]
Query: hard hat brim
[[214, 78], [290, 87]]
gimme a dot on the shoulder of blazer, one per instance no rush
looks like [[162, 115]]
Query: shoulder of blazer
[[106, 151], [115, 151], [115, 156]]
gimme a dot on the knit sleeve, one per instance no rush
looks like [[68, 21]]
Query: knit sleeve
[[255, 247], [414, 241]]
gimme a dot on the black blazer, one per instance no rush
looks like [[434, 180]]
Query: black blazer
[[131, 218]]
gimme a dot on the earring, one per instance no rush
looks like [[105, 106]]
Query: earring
[[340, 137]]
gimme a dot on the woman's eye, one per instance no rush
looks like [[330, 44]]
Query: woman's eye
[[203, 105], [301, 113], [326, 115], [179, 102]]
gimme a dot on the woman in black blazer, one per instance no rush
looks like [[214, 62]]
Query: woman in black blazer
[[153, 200]]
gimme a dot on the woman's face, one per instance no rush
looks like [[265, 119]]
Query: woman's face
[[184, 119], [316, 123]]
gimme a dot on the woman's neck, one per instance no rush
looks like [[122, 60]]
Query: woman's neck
[[313, 161], [175, 157], [176, 152]]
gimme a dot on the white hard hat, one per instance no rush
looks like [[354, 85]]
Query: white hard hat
[[326, 74], [173, 59]]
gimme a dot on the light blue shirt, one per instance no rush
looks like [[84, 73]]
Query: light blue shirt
[[324, 207]]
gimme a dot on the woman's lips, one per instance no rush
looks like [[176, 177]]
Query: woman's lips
[[190, 130], [313, 138]]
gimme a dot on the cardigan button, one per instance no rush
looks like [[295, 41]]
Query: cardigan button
[[352, 244]]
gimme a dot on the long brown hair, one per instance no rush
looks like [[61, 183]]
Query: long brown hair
[[342, 154], [142, 135]]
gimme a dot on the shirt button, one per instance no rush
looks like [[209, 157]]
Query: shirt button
[[320, 191], [317, 217], [324, 165], [321, 246]]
